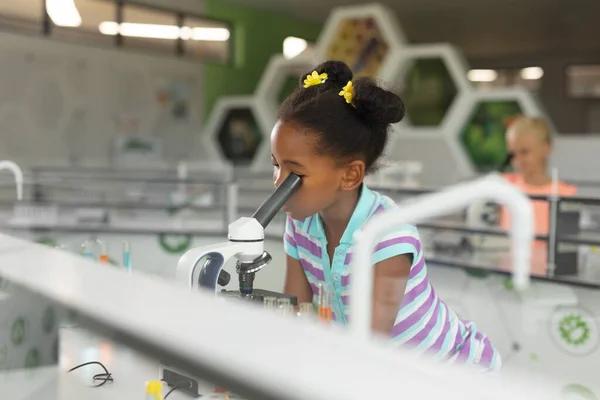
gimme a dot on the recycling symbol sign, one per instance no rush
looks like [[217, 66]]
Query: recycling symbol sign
[[575, 331], [19, 331]]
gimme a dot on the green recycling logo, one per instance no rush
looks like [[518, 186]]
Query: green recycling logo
[[575, 331], [174, 244], [49, 320], [33, 359], [19, 331]]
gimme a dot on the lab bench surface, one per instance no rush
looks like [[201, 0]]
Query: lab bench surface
[[130, 372]]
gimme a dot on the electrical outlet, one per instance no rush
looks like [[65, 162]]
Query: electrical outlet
[[184, 384]]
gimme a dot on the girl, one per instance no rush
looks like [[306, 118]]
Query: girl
[[331, 131], [529, 143]]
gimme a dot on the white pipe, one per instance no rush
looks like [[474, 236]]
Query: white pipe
[[232, 202], [18, 174], [182, 175], [431, 205]]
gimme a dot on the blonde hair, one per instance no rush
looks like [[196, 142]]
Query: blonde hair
[[531, 124]]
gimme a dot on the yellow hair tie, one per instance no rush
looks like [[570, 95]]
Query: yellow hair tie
[[348, 93], [314, 79]]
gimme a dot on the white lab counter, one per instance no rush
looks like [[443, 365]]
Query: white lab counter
[[130, 370]]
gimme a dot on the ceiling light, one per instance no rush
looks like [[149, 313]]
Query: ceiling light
[[172, 32], [531, 73], [211, 34], [293, 46], [63, 12], [482, 75]]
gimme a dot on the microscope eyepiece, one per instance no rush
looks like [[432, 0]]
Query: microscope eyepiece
[[271, 206]]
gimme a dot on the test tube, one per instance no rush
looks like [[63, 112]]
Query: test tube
[[103, 252], [270, 303], [285, 307], [305, 310], [126, 256], [87, 249], [324, 304]]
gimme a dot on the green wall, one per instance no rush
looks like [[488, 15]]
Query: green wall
[[258, 34]]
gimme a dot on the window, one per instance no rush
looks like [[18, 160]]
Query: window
[[206, 39], [148, 29], [583, 81], [22, 16], [92, 14], [120, 23]]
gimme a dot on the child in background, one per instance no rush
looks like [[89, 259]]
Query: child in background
[[529, 141], [332, 131]]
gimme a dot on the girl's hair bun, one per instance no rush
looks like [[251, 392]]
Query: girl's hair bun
[[375, 104]]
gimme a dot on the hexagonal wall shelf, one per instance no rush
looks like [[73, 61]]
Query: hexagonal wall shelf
[[480, 128], [279, 80], [441, 156], [237, 132], [365, 37], [433, 82]]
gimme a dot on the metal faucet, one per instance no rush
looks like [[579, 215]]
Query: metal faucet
[[18, 174]]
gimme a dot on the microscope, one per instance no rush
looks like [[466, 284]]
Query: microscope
[[202, 267]]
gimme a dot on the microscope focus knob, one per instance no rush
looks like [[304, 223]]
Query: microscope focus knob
[[224, 278]]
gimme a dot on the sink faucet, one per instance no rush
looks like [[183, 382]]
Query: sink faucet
[[18, 174]]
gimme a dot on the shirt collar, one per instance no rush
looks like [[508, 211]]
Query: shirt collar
[[313, 226]]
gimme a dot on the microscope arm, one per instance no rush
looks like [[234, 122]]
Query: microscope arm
[[206, 263]]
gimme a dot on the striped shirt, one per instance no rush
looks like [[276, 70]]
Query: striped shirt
[[424, 322]]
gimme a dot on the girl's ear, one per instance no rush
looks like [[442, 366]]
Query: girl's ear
[[354, 174]]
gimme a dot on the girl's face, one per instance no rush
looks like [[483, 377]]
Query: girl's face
[[292, 150], [530, 151]]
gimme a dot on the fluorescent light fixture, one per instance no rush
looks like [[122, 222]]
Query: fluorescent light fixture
[[531, 73], [167, 32], [482, 75], [63, 12], [293, 46]]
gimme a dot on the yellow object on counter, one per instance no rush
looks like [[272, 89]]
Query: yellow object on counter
[[154, 390]]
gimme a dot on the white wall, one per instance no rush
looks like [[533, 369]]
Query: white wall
[[60, 101]]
